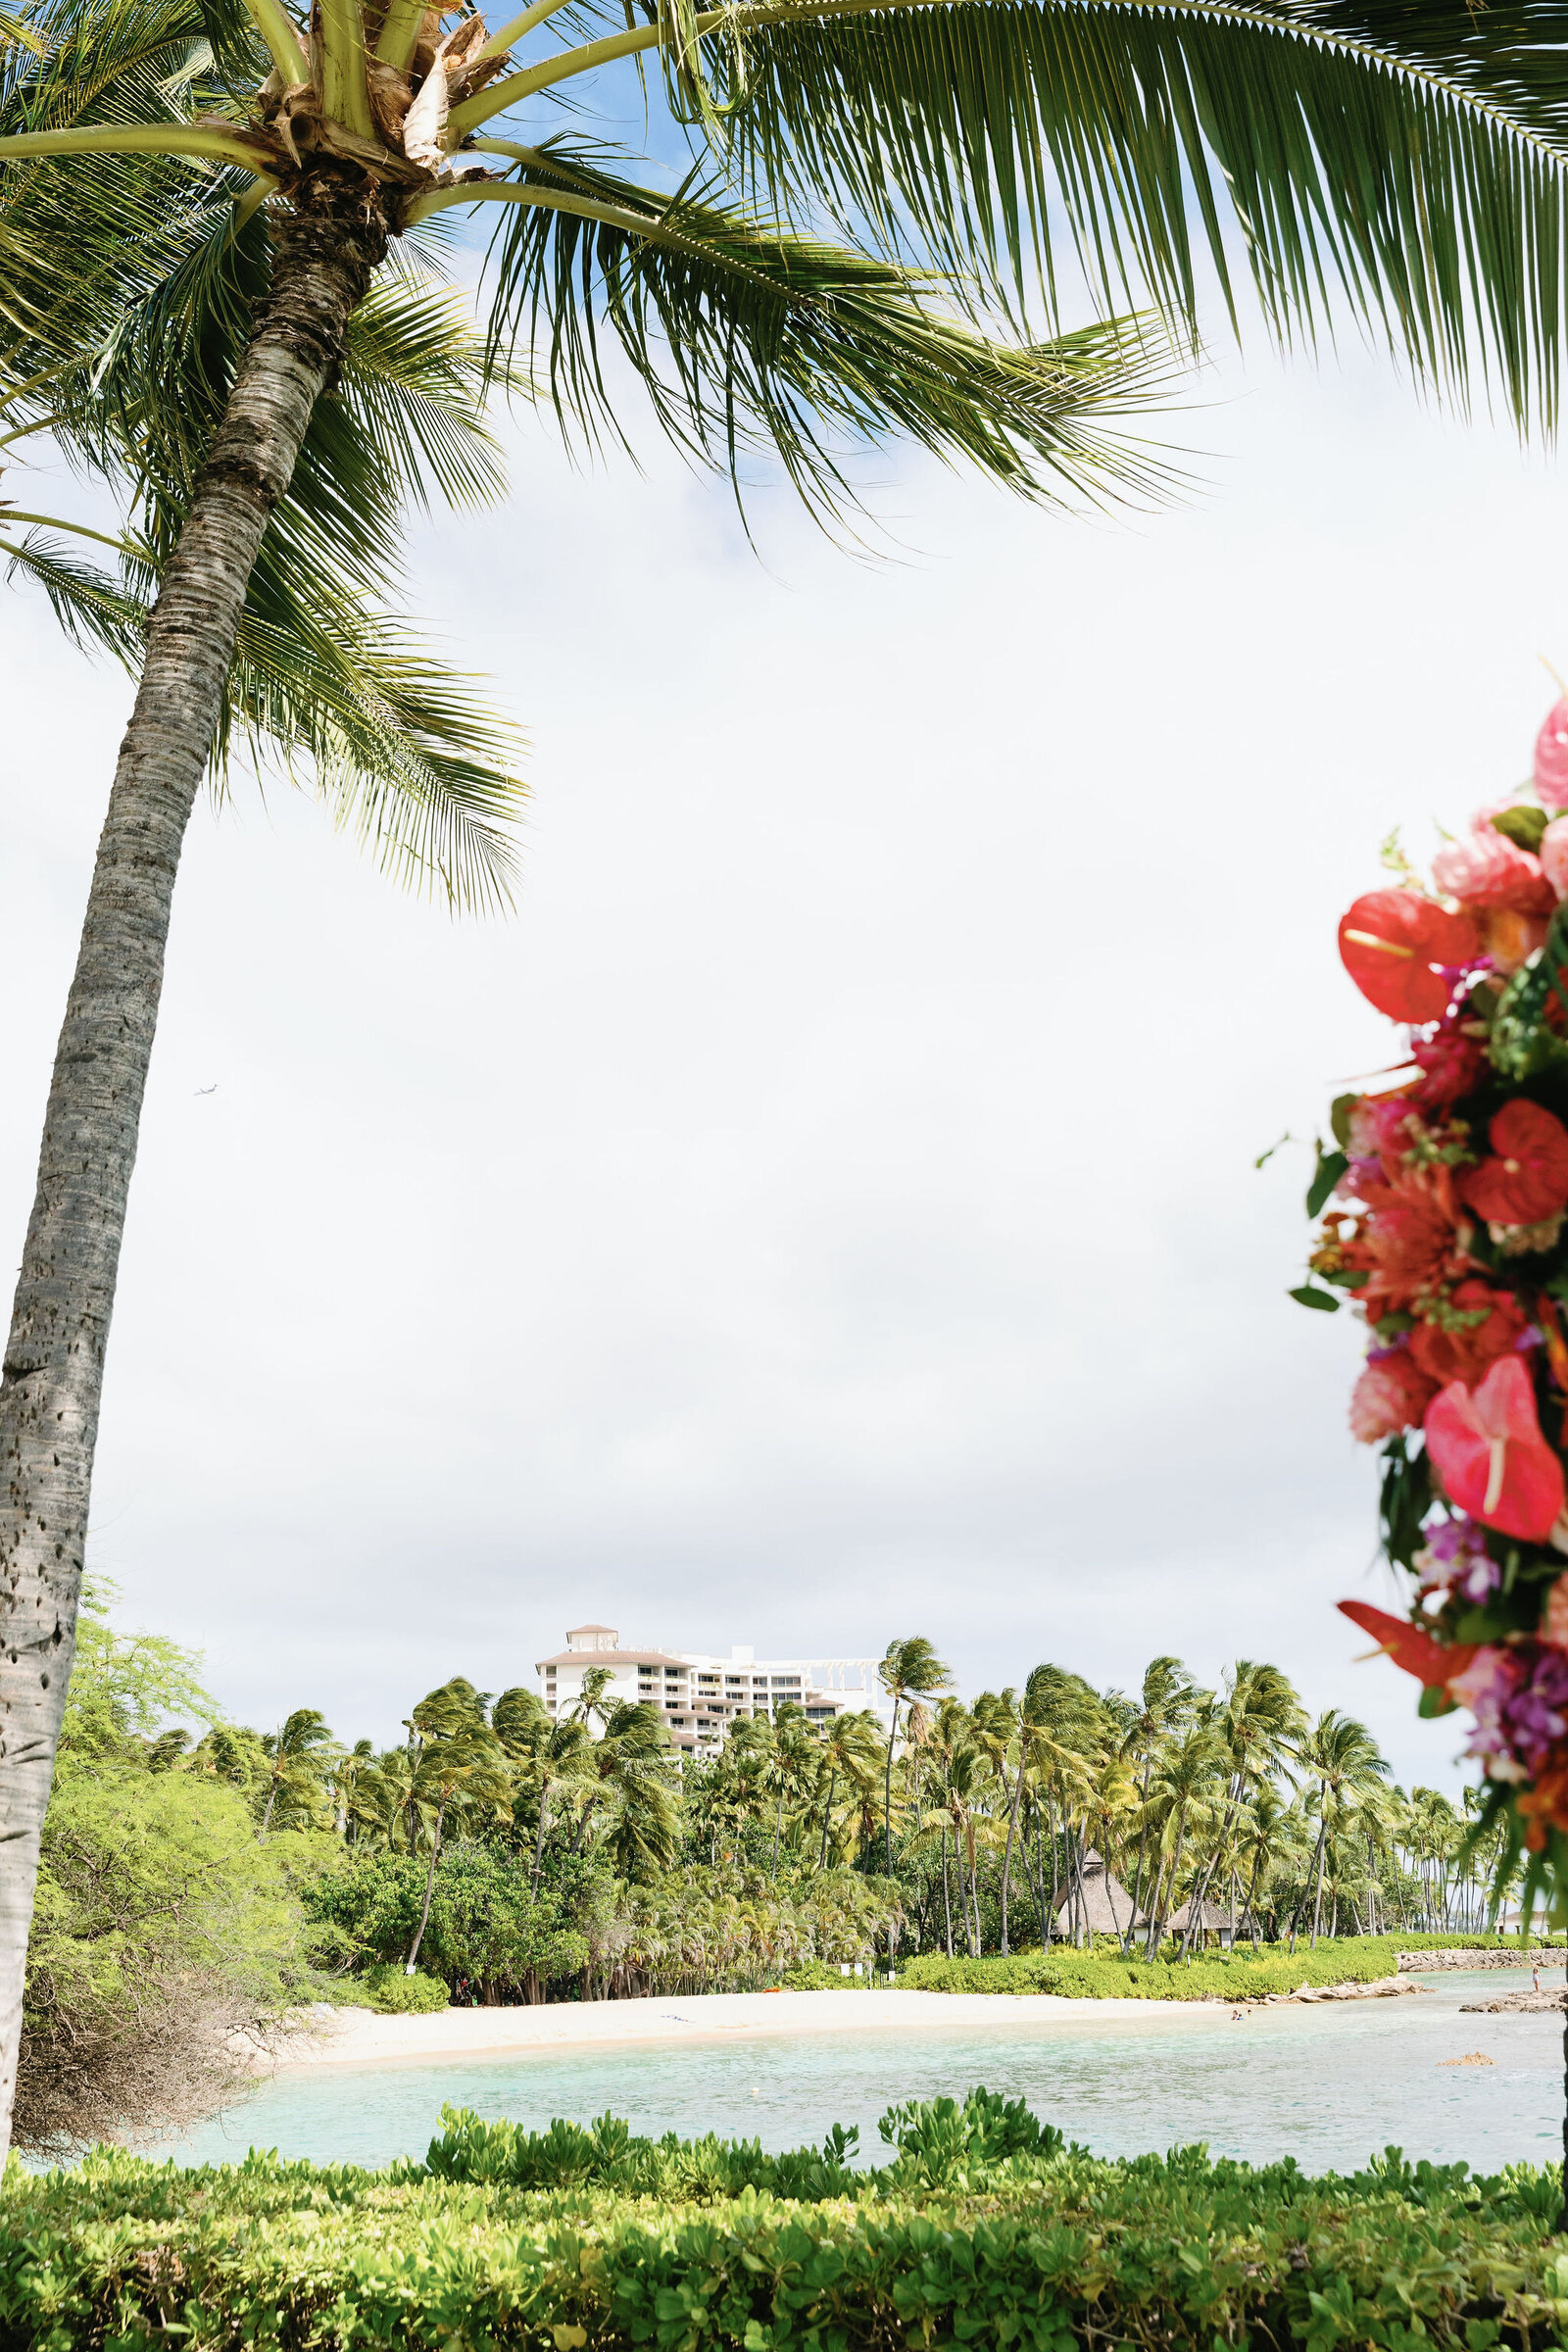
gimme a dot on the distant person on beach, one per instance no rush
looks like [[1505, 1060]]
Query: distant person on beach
[[1534, 1978]]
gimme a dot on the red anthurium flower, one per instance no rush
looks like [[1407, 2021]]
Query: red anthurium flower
[[1486, 1448], [1408, 1646], [1395, 943], [1526, 1182]]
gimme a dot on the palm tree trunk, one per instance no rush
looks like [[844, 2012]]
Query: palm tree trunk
[[266, 1817], [539, 1838], [1317, 1893], [1055, 1876], [430, 1890], [1006, 1860], [947, 1898], [1143, 1846], [53, 1370], [827, 1815], [887, 1790]]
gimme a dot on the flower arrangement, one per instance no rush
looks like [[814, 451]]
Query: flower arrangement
[[1442, 1213]]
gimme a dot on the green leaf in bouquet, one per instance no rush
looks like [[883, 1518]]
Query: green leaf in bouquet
[[1309, 1295], [1340, 1110], [1521, 1044], [1523, 826], [1331, 1166], [1404, 1499]]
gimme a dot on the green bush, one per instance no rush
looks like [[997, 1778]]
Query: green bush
[[1105, 1975], [819, 1976], [983, 2230], [398, 1995]]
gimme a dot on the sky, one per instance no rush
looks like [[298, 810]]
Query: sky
[[826, 1209]]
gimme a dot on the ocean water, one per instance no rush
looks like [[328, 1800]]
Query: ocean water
[[1328, 2086]]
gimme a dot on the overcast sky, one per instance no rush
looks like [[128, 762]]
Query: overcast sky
[[826, 1210]]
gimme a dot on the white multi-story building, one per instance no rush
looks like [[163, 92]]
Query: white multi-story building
[[700, 1697]]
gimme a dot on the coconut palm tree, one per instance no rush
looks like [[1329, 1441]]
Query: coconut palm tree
[[910, 1669], [1183, 1779], [850, 1751], [303, 1757], [1165, 1702], [1342, 1756], [1260, 1722], [627, 1791], [1413, 159], [456, 1760]]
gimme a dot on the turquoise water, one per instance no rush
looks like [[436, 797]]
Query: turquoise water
[[1327, 2086]]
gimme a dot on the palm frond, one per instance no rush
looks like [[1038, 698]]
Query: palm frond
[[405, 754], [95, 608], [750, 340], [1405, 164]]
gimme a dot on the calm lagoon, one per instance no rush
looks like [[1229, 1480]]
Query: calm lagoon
[[1328, 2086]]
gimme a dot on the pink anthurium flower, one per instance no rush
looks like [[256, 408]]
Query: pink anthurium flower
[[1486, 1448]]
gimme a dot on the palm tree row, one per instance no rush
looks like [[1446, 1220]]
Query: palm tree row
[[1213, 1813], [1051, 1813]]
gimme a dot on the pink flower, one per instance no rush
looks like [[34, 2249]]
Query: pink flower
[[1551, 757], [1390, 1395], [1554, 853], [1486, 870], [1486, 1448]]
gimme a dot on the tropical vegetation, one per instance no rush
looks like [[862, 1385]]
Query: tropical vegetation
[[981, 2226], [879, 208], [201, 1879]]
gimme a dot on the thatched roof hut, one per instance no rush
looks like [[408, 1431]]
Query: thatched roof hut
[[1215, 1919], [1105, 1903]]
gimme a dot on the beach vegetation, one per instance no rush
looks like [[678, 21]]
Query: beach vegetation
[[165, 1928], [977, 2225]]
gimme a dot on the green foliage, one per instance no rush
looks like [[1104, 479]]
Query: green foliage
[[160, 1923], [815, 1975], [1105, 1975], [587, 2235], [486, 1923], [391, 1989]]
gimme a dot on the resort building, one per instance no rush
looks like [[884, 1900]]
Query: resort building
[[700, 1697]]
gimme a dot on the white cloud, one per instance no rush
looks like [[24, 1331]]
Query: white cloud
[[827, 1210]]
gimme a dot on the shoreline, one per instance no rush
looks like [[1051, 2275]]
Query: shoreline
[[366, 2037]]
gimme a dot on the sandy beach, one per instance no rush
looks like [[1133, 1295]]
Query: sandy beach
[[360, 2037]]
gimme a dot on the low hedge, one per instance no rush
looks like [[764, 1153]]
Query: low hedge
[[1105, 1975], [983, 2231]]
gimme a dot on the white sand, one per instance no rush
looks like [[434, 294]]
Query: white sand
[[360, 2037]]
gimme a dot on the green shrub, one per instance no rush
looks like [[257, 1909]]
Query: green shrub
[[983, 2230], [819, 1976], [1105, 1975], [399, 1995]]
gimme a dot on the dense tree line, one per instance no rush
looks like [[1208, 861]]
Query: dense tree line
[[202, 1877]]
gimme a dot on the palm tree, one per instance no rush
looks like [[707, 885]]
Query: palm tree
[[628, 1788], [910, 1669], [850, 1751], [995, 1729], [1343, 1757], [1414, 158], [302, 1756], [1166, 1703], [1261, 1723], [457, 1758], [588, 1708], [1184, 1774]]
